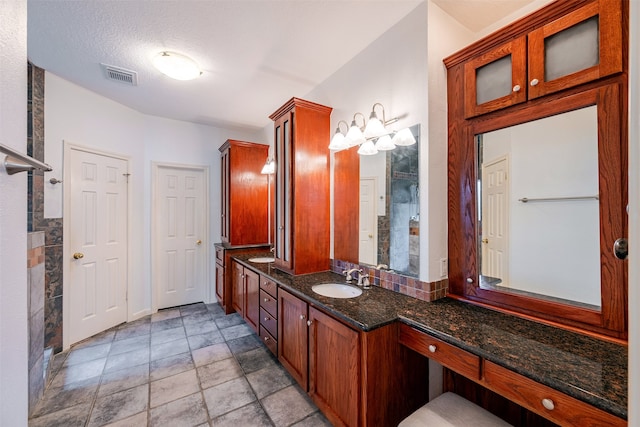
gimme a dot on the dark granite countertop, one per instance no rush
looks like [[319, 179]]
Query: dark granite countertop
[[585, 368]]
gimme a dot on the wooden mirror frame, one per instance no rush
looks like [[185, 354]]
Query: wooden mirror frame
[[610, 94]]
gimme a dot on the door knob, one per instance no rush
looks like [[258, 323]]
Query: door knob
[[198, 242], [78, 255], [371, 236], [485, 240], [621, 248]]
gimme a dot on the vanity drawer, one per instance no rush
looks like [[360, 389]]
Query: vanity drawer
[[269, 322], [220, 256], [448, 355], [545, 401], [269, 286], [269, 340], [269, 303]]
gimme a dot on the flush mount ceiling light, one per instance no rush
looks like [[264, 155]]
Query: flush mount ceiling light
[[176, 66], [374, 131]]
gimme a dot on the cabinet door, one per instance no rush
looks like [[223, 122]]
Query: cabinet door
[[220, 284], [577, 48], [293, 341], [283, 197], [252, 299], [334, 368], [224, 196], [238, 288], [496, 79]]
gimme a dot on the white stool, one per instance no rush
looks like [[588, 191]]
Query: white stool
[[451, 410]]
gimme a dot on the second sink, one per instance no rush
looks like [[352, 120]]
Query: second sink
[[337, 290]]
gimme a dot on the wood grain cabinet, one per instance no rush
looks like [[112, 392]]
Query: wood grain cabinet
[[579, 46], [302, 129], [269, 314], [356, 378], [244, 193], [246, 291]]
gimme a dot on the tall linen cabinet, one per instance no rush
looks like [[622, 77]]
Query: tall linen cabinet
[[301, 138]]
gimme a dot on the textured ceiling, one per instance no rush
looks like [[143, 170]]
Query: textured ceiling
[[255, 54]]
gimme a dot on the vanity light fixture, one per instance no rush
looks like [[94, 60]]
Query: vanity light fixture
[[372, 136], [269, 167], [176, 66], [338, 141]]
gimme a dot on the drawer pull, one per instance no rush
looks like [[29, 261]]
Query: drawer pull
[[266, 319], [266, 300], [266, 338], [548, 404], [432, 348]]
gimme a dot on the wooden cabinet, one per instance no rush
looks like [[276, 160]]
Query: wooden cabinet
[[545, 401], [356, 378], [244, 193], [269, 314], [225, 272], [568, 46], [246, 288], [301, 132]]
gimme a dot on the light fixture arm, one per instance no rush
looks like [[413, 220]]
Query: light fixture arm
[[373, 112], [17, 162], [338, 127], [364, 121]]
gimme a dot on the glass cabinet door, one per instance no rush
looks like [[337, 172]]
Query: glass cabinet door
[[577, 48], [496, 79]]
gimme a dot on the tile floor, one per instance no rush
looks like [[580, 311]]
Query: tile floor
[[184, 366]]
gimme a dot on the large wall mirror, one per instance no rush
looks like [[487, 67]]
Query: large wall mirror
[[389, 218], [538, 211], [537, 199]]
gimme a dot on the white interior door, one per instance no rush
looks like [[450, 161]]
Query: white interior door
[[97, 249], [495, 220], [180, 217], [368, 244]]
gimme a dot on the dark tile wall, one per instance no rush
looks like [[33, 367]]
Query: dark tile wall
[[36, 221]]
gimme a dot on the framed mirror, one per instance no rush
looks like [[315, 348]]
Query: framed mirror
[[389, 213], [536, 201], [538, 213]]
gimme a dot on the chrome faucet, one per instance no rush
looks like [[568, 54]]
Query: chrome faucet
[[348, 274], [382, 266], [363, 280]]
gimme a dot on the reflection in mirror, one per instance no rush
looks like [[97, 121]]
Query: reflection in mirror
[[538, 209], [390, 209]]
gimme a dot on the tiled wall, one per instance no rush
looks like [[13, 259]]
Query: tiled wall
[[35, 301], [52, 227], [426, 291]]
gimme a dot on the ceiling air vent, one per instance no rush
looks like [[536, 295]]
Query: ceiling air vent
[[121, 75]]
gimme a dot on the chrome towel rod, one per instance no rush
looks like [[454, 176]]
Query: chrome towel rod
[[553, 199], [17, 162]]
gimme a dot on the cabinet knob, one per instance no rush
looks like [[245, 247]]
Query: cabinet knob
[[432, 348], [309, 322], [266, 338], [469, 280], [516, 88], [302, 317], [548, 404], [534, 82], [266, 300]]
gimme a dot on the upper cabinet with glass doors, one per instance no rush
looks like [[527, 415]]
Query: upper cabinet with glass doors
[[581, 46]]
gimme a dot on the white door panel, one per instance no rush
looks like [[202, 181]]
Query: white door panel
[[368, 246], [180, 227], [97, 221], [495, 220]]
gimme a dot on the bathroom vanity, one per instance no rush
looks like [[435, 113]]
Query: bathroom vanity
[[374, 347]]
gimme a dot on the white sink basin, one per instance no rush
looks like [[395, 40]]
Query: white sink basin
[[337, 290], [262, 259]]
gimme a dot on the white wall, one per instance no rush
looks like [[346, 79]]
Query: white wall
[[79, 116], [13, 217]]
